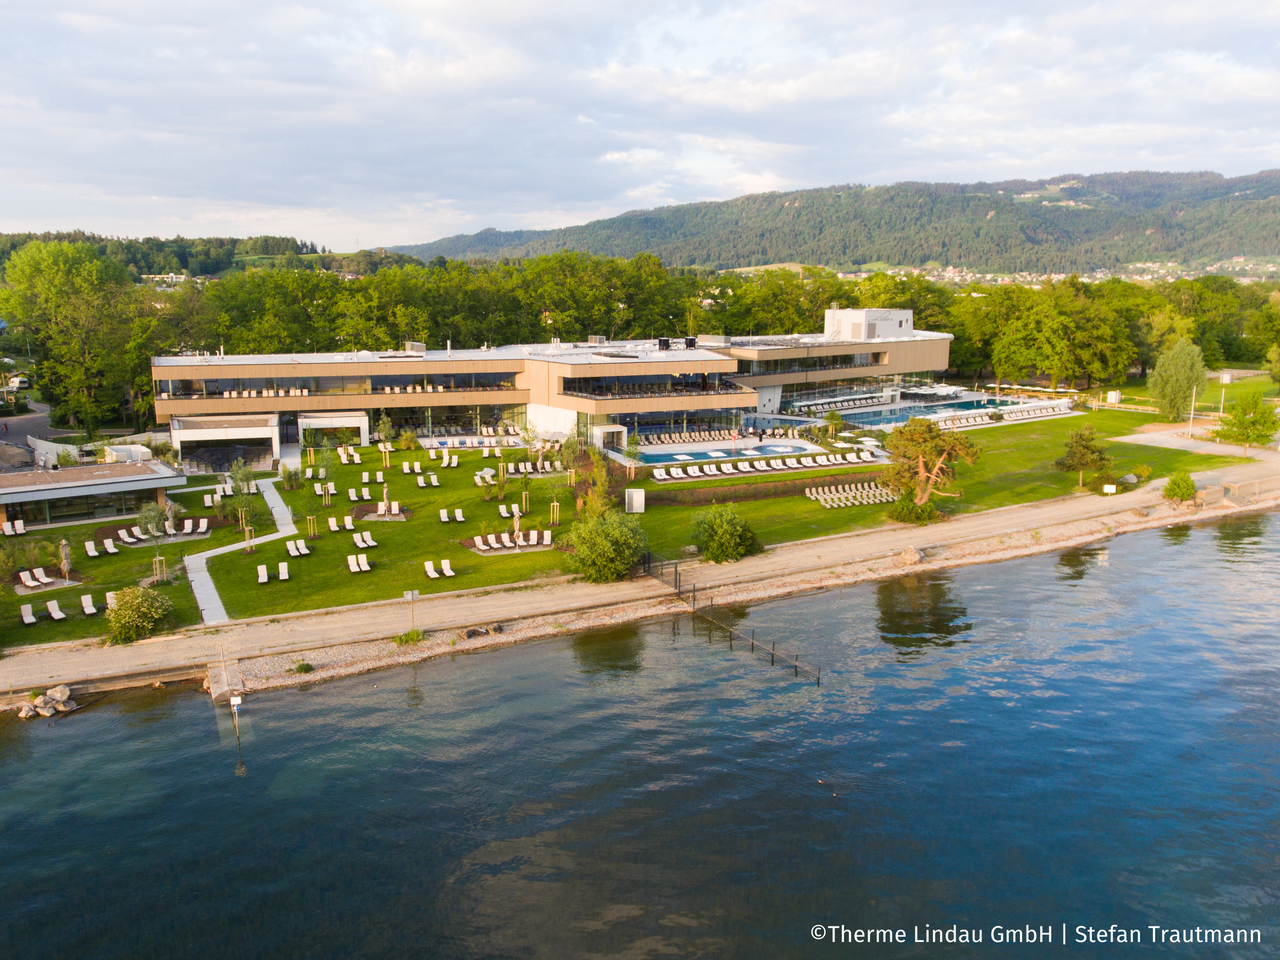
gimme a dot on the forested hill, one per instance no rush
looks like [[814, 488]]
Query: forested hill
[[1065, 224]]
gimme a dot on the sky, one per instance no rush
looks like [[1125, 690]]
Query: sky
[[378, 123]]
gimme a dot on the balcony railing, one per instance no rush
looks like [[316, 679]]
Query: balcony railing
[[655, 394]]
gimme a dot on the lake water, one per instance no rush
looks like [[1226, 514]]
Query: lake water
[[1086, 738]]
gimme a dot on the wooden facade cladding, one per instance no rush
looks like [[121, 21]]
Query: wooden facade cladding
[[341, 368], [902, 357], [213, 406]]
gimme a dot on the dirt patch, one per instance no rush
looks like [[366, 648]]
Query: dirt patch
[[1159, 427]]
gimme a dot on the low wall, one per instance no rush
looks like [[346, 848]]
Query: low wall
[[1253, 488]]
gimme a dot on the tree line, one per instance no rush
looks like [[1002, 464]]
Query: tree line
[[91, 329]]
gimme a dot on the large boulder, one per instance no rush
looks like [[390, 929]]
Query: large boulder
[[65, 706], [26, 711], [46, 711], [60, 692], [43, 701]]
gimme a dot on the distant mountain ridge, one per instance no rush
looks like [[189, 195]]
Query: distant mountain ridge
[[1067, 223]]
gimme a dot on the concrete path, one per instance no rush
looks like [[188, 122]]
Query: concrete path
[[1180, 441], [206, 594]]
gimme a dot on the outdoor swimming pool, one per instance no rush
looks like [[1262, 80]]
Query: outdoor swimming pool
[[884, 418], [781, 448]]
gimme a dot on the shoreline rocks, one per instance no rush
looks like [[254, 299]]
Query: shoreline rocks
[[52, 702]]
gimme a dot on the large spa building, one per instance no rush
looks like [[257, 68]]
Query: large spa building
[[600, 390]]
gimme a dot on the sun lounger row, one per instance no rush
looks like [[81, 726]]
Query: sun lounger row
[[282, 572], [417, 467], [541, 466], [457, 515], [434, 481], [651, 439], [850, 495], [730, 467], [523, 539], [955, 423], [364, 477], [431, 569], [55, 613], [364, 540], [35, 579], [841, 403], [314, 474], [15, 529], [484, 479], [358, 563], [394, 508]]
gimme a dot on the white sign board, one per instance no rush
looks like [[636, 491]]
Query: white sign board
[[635, 501], [1109, 488]]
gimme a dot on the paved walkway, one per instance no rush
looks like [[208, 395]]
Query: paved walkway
[[211, 608], [32, 667]]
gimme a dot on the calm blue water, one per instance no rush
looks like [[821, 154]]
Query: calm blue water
[[1087, 738]]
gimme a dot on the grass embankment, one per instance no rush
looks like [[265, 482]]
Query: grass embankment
[[323, 580], [107, 572], [1016, 465]]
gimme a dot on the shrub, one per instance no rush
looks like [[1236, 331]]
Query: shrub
[[606, 547], [291, 477], [137, 612], [408, 439], [906, 510], [1106, 478], [302, 667], [1143, 472], [722, 536], [1180, 487], [408, 638]]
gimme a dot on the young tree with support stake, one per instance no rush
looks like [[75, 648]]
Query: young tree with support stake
[[923, 458], [1084, 452], [1250, 420]]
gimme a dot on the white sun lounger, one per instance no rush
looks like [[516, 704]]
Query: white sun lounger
[[448, 570], [351, 495], [109, 545], [27, 616], [262, 573], [333, 524], [457, 515], [382, 508], [291, 547], [444, 515], [7, 527], [417, 466], [502, 509], [352, 565], [659, 474], [453, 462], [506, 540], [308, 476], [348, 523], [481, 545], [284, 570], [363, 560], [28, 580], [377, 477], [395, 508], [319, 490], [421, 482], [364, 477], [302, 549], [42, 576], [170, 529], [493, 542], [203, 528], [208, 501], [405, 467], [364, 494], [188, 527], [333, 489], [434, 481], [431, 454], [124, 535], [431, 569], [137, 532], [19, 527], [54, 612], [358, 538], [546, 538], [91, 549]]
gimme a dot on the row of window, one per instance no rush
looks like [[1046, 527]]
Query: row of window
[[329, 386], [647, 386], [760, 368]]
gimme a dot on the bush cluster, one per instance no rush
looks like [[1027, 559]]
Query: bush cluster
[[906, 510], [722, 536], [607, 547], [138, 611]]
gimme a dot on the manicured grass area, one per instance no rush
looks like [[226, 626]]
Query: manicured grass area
[[105, 573], [322, 579], [1211, 398], [1016, 465]]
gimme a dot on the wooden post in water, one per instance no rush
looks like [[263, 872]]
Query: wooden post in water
[[773, 650]]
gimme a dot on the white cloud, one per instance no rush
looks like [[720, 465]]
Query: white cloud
[[398, 121]]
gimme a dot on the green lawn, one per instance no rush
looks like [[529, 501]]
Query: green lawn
[[322, 579], [1016, 465], [105, 573], [1211, 398]]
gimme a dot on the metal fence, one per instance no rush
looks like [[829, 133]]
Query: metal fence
[[668, 571], [759, 647]]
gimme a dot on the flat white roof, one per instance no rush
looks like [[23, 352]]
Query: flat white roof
[[93, 480]]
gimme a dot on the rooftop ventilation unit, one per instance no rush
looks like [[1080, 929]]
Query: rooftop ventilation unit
[[597, 340], [664, 343], [690, 343], [413, 346]]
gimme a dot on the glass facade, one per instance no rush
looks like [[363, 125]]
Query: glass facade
[[851, 387], [653, 385], [670, 421], [354, 384], [66, 509], [760, 368]]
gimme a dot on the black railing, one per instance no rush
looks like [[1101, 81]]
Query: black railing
[[668, 571], [760, 648]]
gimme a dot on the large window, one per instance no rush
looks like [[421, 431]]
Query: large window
[[671, 422], [843, 361], [651, 385]]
